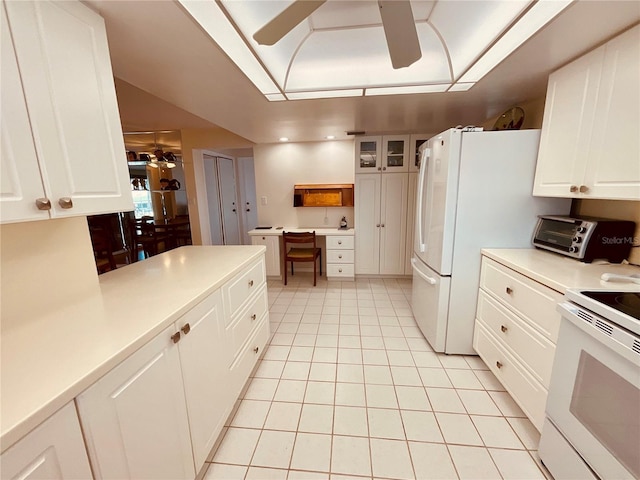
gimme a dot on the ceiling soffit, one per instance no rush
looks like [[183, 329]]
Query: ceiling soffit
[[340, 49]]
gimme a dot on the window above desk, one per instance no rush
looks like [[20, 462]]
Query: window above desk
[[323, 195]]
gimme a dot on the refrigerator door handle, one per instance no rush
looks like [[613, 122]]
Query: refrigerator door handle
[[423, 173], [429, 280]]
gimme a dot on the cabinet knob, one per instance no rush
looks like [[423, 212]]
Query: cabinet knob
[[379, 168], [339, 256], [253, 317], [263, 238], [43, 203], [378, 225], [503, 328], [584, 189], [382, 225], [250, 283], [233, 210], [175, 337], [255, 349], [573, 188], [499, 364], [509, 290], [340, 270], [384, 168], [65, 202], [339, 242], [186, 328], [248, 209]]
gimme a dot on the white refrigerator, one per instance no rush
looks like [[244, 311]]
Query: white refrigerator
[[474, 192]]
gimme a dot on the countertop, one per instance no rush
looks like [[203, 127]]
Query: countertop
[[49, 360], [324, 232], [559, 272]]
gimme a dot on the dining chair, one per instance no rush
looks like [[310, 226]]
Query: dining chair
[[144, 236], [301, 254]]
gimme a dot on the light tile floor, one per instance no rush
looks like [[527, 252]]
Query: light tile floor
[[350, 389]]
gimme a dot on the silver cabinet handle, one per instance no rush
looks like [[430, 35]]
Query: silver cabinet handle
[[175, 337], [66, 202], [573, 188], [584, 189], [43, 204], [186, 328]]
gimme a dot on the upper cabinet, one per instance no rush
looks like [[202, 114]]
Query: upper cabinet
[[590, 147], [416, 140], [63, 151], [382, 154]]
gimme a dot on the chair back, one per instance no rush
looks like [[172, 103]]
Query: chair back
[[299, 237]]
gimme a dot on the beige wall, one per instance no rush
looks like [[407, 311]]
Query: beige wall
[[279, 167], [44, 265]]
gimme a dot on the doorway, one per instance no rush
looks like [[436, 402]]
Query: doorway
[[222, 199]]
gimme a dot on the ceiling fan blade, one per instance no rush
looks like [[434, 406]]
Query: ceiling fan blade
[[286, 20], [400, 31]]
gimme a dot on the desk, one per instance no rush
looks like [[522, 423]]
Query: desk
[[338, 245]]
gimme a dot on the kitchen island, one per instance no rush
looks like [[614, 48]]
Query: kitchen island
[[49, 361]]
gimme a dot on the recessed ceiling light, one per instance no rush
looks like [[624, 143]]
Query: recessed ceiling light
[[330, 137], [284, 139]]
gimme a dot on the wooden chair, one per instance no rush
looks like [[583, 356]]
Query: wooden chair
[[102, 250], [144, 236], [301, 254]]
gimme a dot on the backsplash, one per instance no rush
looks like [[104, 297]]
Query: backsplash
[[615, 209]]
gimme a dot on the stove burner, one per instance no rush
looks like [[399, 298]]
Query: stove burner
[[625, 302]]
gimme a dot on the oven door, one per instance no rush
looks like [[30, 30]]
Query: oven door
[[594, 396]]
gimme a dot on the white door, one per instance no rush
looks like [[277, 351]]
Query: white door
[[20, 179], [228, 201], [367, 223], [430, 304], [213, 199], [393, 222], [65, 67], [135, 418], [249, 210], [204, 370]]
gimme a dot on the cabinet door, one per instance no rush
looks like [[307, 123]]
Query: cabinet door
[[135, 418], [20, 181], [395, 153], [613, 168], [272, 255], [567, 127], [393, 223], [368, 154], [411, 221], [367, 224], [64, 62], [54, 450], [204, 372], [417, 139]]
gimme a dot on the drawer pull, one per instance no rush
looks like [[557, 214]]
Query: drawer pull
[[499, 364], [340, 270], [503, 328], [339, 256], [186, 328], [339, 242], [175, 337], [255, 349], [250, 283], [253, 317], [509, 290]]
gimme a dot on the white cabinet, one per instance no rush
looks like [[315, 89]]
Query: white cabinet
[[411, 221], [589, 146], [340, 257], [382, 154], [515, 334], [64, 145], [381, 223], [164, 402], [272, 255], [54, 450]]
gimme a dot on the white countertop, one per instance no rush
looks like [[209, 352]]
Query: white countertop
[[325, 232], [559, 272], [49, 360]]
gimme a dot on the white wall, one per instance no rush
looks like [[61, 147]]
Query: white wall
[[279, 167]]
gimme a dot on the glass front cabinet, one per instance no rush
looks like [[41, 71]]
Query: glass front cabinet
[[417, 139], [382, 154]]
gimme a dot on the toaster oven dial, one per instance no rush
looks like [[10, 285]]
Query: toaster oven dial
[[577, 239], [573, 249], [581, 229]]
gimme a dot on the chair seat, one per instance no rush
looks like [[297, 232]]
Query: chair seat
[[302, 253]]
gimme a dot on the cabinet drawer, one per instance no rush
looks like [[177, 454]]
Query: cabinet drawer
[[340, 270], [339, 243], [247, 320], [238, 290], [339, 256], [248, 357], [523, 295], [528, 393], [533, 349]]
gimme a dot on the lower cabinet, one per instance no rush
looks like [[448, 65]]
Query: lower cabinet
[[340, 257], [272, 256], [54, 450]]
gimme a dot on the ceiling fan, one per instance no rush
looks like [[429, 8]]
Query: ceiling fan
[[397, 21]]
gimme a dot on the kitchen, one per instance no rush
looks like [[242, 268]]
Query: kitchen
[[68, 252]]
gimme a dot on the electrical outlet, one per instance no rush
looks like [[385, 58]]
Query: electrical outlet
[[263, 200]]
